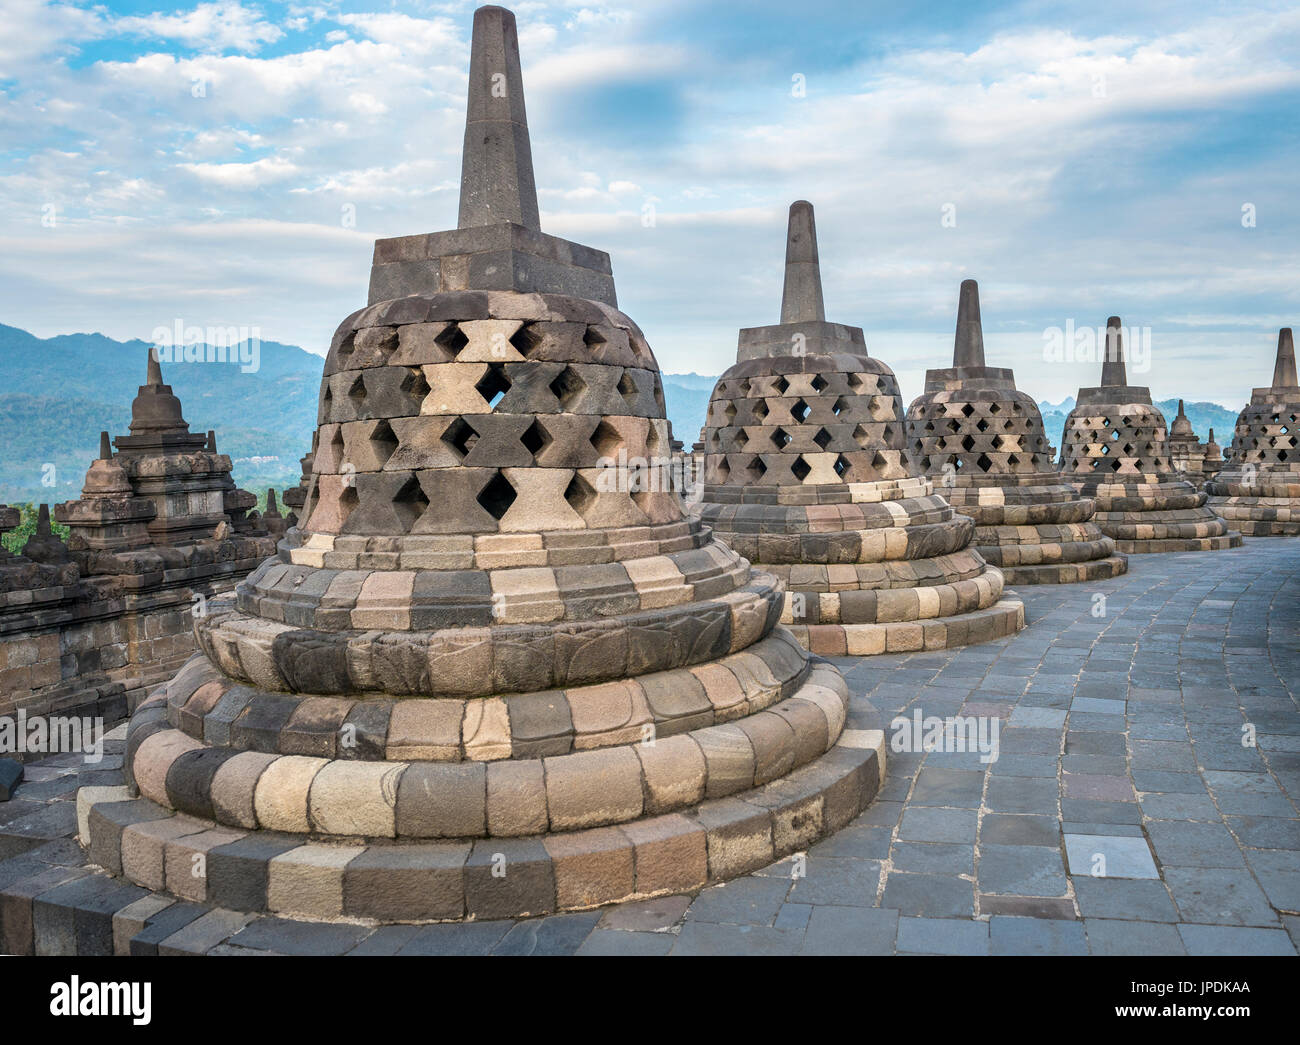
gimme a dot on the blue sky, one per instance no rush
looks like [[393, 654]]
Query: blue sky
[[198, 161]]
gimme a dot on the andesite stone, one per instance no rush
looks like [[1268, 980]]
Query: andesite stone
[[807, 472], [494, 659], [982, 442]]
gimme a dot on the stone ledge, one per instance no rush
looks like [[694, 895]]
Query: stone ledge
[[1004, 618]]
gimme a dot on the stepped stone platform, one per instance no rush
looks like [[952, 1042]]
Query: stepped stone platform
[[983, 442], [1258, 490], [807, 473], [1115, 451], [491, 672]]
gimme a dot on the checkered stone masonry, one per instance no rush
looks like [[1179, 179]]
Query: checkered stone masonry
[[1115, 451], [807, 471], [476, 651], [1258, 490], [983, 443]]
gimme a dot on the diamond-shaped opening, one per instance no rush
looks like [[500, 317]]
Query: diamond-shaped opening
[[742, 437], [497, 496], [799, 411], [1281, 455], [801, 468], [1105, 422], [929, 427], [968, 443], [460, 436], [819, 383], [997, 442], [1015, 408], [410, 503], [414, 384], [593, 338], [994, 408], [861, 436], [954, 425], [723, 470], [841, 404], [888, 433], [1105, 450], [336, 447], [780, 438], [1115, 434], [1115, 466], [822, 438], [1013, 460], [984, 462], [842, 466], [879, 461], [536, 438], [328, 399], [782, 386], [345, 348], [452, 339], [659, 396], [357, 393], [580, 494], [1129, 448], [757, 468], [967, 409], [526, 339], [383, 441], [493, 384], [606, 440], [652, 441], [1285, 429], [348, 501], [568, 386], [627, 388], [982, 425], [760, 410]]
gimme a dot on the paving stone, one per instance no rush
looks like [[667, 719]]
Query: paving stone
[[748, 901], [942, 936], [287, 936], [1181, 843], [1124, 898], [713, 938], [940, 857], [1231, 941], [929, 895], [1020, 829], [646, 915], [1114, 937], [608, 943], [850, 930], [1035, 936], [471, 938], [939, 825], [1219, 896], [840, 882], [560, 934], [1109, 856], [1021, 870]]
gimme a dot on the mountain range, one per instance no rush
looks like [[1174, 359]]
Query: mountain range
[[60, 392]]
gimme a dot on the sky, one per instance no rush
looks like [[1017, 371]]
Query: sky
[[231, 164]]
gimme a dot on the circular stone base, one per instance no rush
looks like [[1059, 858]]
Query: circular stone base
[[1261, 516], [395, 882], [1180, 544], [1005, 617], [1267, 528], [1065, 572]]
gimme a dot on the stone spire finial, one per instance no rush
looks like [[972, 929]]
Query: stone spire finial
[[801, 299], [153, 373], [271, 507], [212, 441], [1112, 361], [1180, 409], [43, 522], [105, 447], [968, 346], [1284, 372], [496, 174]]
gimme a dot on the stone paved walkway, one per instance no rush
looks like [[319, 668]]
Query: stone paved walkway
[[1120, 751]]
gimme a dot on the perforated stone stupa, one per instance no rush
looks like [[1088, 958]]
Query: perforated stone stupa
[[1115, 450], [1258, 489], [808, 473], [485, 676], [983, 443]]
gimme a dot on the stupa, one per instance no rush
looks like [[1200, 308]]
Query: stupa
[[1258, 489], [1115, 450], [808, 473], [1187, 453], [983, 443], [487, 675]]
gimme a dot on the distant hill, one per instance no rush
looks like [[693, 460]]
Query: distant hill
[[61, 392]]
